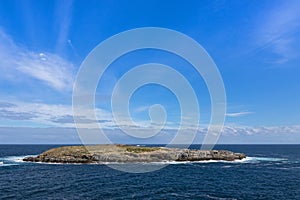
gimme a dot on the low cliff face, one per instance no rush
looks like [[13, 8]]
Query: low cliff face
[[125, 153]]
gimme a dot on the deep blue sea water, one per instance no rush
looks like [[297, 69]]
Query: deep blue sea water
[[269, 172]]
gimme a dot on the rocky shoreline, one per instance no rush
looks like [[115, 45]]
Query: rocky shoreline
[[129, 154]]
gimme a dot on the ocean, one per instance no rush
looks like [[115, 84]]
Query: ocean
[[268, 172]]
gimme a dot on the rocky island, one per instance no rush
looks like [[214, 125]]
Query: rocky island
[[129, 154]]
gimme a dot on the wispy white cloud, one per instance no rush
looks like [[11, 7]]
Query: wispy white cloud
[[238, 114], [259, 130], [60, 115], [63, 22], [277, 29], [56, 115], [51, 69]]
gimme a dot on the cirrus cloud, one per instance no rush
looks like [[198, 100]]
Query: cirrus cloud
[[49, 68]]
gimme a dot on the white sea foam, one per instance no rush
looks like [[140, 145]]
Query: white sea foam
[[17, 159], [244, 160], [181, 162], [270, 159], [264, 159], [5, 165], [12, 160]]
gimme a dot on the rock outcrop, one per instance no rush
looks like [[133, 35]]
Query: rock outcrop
[[126, 153]]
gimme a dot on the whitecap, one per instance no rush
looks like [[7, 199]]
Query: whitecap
[[226, 166], [2, 164], [217, 198]]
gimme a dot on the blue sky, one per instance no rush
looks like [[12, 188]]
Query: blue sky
[[255, 45]]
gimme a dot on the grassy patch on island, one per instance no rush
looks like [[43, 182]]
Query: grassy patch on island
[[137, 149]]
